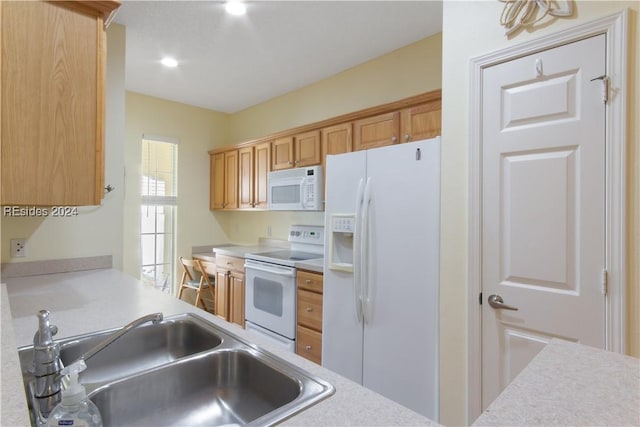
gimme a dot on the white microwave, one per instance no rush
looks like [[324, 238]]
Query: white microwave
[[298, 189]]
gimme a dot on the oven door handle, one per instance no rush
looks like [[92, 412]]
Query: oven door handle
[[273, 270]]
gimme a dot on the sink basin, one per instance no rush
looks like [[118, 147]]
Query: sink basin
[[184, 371], [142, 348], [225, 387]]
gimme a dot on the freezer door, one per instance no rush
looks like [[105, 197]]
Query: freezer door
[[341, 330], [401, 298]]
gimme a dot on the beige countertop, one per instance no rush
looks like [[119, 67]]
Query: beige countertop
[[241, 251], [570, 384], [316, 265], [86, 301]]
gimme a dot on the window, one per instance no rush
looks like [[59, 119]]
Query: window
[[158, 211]]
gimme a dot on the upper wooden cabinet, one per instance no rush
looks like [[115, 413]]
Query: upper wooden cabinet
[[282, 153], [254, 164], [296, 151], [421, 122], [224, 180], [409, 119], [335, 140], [52, 108], [307, 149], [376, 131]]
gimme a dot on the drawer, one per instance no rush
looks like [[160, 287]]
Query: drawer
[[230, 263], [310, 309], [309, 281], [309, 344]]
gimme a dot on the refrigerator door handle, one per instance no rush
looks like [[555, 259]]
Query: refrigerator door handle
[[364, 253], [357, 255]]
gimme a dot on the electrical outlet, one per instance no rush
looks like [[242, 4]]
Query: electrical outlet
[[18, 248]]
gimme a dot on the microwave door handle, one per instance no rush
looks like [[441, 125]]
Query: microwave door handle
[[302, 193]]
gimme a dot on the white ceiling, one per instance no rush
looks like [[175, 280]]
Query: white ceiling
[[229, 63]]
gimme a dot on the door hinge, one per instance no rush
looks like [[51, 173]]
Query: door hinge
[[604, 79], [605, 281], [480, 298]]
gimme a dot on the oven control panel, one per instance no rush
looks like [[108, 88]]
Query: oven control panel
[[309, 234]]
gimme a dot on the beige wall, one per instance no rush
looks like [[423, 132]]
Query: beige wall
[[413, 69], [408, 71], [198, 130], [470, 29], [96, 230]]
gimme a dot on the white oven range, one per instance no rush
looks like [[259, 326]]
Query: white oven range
[[270, 300]]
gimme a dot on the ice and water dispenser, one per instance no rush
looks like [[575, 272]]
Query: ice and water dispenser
[[343, 227]]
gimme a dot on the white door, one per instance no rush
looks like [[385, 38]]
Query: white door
[[543, 206]]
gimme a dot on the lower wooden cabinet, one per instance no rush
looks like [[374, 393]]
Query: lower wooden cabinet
[[229, 289], [309, 344], [309, 323]]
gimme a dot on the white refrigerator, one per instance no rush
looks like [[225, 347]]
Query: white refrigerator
[[381, 271]]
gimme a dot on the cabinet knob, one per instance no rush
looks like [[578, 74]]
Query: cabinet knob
[[289, 162], [407, 138], [394, 138], [309, 309], [307, 347], [307, 281]]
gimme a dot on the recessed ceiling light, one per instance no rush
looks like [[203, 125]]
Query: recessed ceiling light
[[235, 7], [169, 62]]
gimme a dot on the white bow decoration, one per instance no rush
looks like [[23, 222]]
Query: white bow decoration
[[521, 13]]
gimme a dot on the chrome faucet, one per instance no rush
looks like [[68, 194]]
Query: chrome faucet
[[46, 357], [47, 363]]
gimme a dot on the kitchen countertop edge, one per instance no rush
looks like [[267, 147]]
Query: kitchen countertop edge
[[570, 384], [13, 404], [92, 295]]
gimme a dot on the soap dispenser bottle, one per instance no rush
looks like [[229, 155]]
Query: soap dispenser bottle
[[75, 409]]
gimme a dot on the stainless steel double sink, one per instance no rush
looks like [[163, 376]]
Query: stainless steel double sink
[[184, 371]]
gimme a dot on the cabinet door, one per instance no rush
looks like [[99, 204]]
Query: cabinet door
[[282, 153], [262, 162], [336, 139], [307, 149], [309, 344], [310, 309], [421, 122], [216, 184], [246, 177], [377, 131], [309, 281], [236, 298], [231, 179], [221, 303], [52, 106]]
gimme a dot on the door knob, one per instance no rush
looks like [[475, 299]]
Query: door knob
[[496, 301]]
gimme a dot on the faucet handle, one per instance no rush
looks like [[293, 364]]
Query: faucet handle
[[46, 354], [46, 331]]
